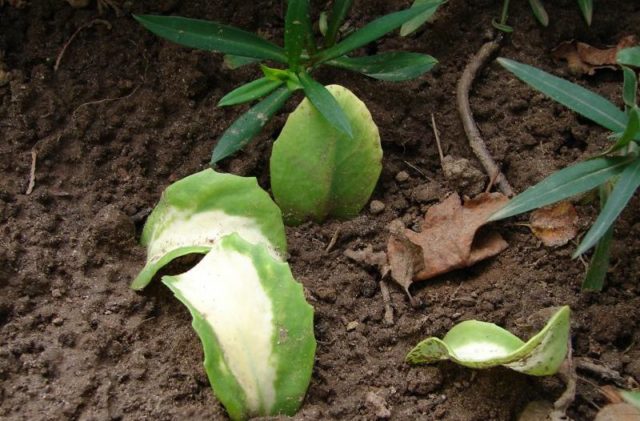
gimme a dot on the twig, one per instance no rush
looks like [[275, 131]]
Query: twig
[[100, 101], [418, 170], [437, 135], [386, 299], [601, 371], [477, 63], [569, 376], [32, 173], [333, 241], [70, 40]]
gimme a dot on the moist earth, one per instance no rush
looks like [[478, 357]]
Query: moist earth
[[126, 114]]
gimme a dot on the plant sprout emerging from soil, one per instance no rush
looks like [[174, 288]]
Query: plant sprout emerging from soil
[[301, 54], [324, 173], [615, 172], [537, 7], [478, 344]]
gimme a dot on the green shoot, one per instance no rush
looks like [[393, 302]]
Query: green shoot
[[540, 13], [597, 272], [616, 171], [301, 55]]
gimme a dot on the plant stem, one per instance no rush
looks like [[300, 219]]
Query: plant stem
[[505, 12]]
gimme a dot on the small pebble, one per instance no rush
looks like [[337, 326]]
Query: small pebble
[[56, 293], [58, 321], [352, 326], [379, 404], [376, 207], [402, 176]]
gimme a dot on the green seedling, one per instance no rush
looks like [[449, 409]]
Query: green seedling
[[255, 326], [195, 212], [616, 172], [478, 344], [301, 55], [537, 7], [318, 171]]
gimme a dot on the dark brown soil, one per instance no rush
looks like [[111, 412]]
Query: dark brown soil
[[126, 114]]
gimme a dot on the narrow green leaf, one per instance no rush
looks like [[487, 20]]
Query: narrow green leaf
[[594, 279], [584, 102], [629, 56], [275, 74], [297, 30], [622, 192], [249, 124], [539, 12], [235, 62], [409, 27], [631, 132], [586, 6], [211, 36], [323, 23], [502, 26], [325, 103], [565, 183], [630, 87], [390, 66], [249, 91], [338, 13], [374, 30]]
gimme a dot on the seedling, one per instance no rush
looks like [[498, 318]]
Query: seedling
[[255, 326], [301, 54], [478, 344], [195, 212], [316, 170], [537, 7], [616, 172]]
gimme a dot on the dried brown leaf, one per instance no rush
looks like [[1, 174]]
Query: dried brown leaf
[[448, 239], [585, 59], [555, 225]]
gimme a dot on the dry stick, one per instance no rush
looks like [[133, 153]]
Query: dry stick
[[70, 40], [437, 135], [569, 376], [603, 372], [32, 173], [386, 299], [477, 63], [333, 241]]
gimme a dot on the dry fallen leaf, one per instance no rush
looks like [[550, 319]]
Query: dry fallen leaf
[[448, 239], [584, 59], [555, 225]]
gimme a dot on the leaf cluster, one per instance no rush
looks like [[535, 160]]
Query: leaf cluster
[[539, 11], [302, 53], [615, 172]]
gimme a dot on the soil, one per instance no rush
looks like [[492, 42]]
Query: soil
[[126, 114]]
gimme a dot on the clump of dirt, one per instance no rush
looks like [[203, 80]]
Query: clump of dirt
[[126, 114]]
